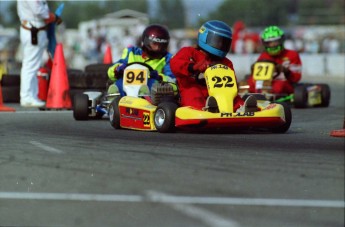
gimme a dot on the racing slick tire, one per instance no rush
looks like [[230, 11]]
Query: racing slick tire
[[164, 117], [114, 113], [81, 107], [301, 96], [257, 96], [325, 95], [288, 118]]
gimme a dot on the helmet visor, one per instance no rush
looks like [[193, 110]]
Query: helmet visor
[[219, 42], [156, 47]]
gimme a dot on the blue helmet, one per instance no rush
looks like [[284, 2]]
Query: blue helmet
[[215, 38]]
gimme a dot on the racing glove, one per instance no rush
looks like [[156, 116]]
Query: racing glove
[[283, 69], [155, 75], [200, 66], [119, 70]]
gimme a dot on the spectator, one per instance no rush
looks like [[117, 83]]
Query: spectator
[[34, 17]]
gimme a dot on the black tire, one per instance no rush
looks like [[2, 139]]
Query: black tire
[[77, 80], [164, 117], [81, 107], [97, 68], [11, 94], [10, 80], [325, 95], [257, 96], [96, 80], [114, 113], [288, 118], [301, 96]]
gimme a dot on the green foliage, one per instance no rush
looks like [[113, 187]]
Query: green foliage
[[253, 12], [77, 11], [170, 13], [282, 12]]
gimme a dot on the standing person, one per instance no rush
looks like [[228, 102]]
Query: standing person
[[153, 51], [34, 17], [214, 42], [288, 63]]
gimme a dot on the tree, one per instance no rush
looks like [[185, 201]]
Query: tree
[[281, 13], [170, 13], [253, 12]]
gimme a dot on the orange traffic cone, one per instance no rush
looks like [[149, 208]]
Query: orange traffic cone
[[339, 132], [108, 58], [2, 107], [58, 93]]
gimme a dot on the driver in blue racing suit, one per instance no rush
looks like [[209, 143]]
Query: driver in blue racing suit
[[153, 52]]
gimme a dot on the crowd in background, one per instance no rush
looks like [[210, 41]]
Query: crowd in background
[[81, 50], [245, 41]]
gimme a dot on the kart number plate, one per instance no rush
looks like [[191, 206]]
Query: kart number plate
[[135, 77], [263, 71]]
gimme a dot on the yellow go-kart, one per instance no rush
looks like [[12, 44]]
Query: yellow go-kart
[[304, 95], [136, 109], [166, 115]]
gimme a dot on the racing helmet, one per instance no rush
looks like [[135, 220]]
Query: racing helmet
[[155, 40], [273, 40], [215, 38]]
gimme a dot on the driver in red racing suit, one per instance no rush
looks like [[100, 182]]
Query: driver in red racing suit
[[214, 41], [288, 62]]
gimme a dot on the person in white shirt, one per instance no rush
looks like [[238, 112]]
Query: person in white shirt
[[34, 17]]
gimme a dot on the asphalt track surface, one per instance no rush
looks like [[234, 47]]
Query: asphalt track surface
[[55, 171]]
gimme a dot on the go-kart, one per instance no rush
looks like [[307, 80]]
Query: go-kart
[[305, 94], [95, 104], [136, 109], [166, 115]]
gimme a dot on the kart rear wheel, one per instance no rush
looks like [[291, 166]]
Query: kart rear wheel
[[257, 96], [288, 118], [325, 95], [114, 113], [164, 117], [81, 107], [301, 96]]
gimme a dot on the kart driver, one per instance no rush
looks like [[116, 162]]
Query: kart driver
[[213, 44], [288, 63], [153, 52]]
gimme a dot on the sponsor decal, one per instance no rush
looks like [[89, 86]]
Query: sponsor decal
[[146, 119], [270, 106], [202, 29], [158, 40], [132, 111], [247, 114]]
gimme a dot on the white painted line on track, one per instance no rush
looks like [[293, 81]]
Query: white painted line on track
[[174, 199], [249, 201], [207, 217], [46, 148], [41, 111]]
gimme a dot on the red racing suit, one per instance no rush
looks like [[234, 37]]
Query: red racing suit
[[193, 93], [282, 83]]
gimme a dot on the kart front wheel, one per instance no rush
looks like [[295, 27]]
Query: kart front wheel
[[164, 117], [81, 107], [288, 118], [114, 113]]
